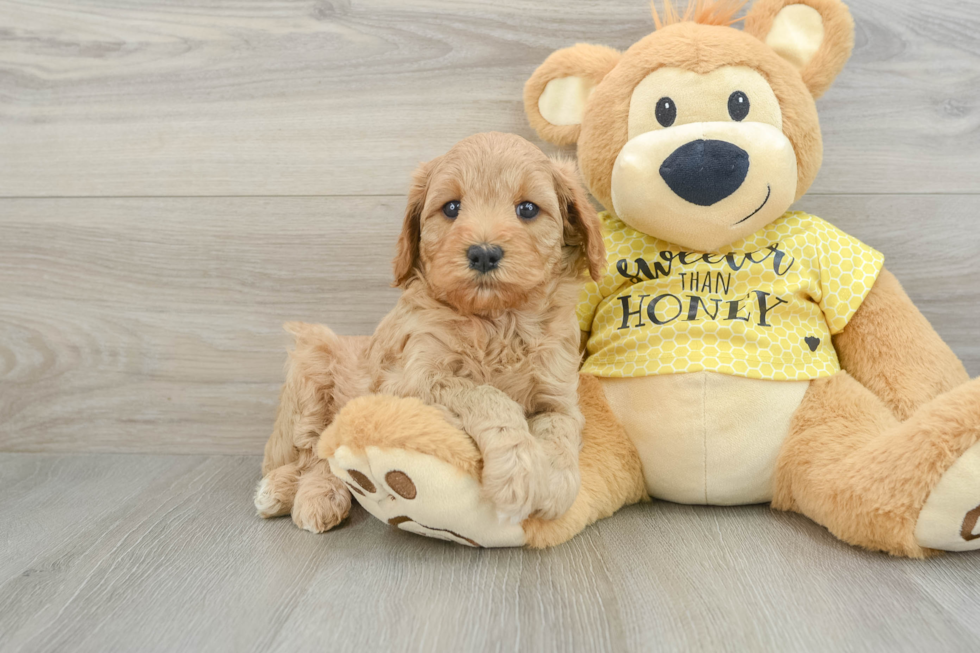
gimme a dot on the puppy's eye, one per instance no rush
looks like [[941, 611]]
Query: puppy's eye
[[451, 209], [738, 106], [666, 111], [527, 210]]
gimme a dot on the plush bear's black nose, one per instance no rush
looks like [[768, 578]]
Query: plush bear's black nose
[[484, 258], [705, 172]]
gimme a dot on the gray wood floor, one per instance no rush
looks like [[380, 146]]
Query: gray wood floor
[[178, 178], [163, 553]]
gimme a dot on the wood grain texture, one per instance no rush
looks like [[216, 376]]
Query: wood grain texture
[[320, 97], [159, 322], [164, 553], [155, 325]]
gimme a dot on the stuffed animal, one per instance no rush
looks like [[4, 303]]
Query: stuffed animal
[[736, 351]]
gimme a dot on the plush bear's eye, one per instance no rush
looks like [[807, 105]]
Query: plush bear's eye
[[738, 106], [666, 111], [527, 210], [451, 209]]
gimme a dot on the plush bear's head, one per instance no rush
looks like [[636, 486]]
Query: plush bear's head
[[699, 134]]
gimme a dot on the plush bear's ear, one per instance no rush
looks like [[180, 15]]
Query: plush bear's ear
[[555, 95], [816, 36]]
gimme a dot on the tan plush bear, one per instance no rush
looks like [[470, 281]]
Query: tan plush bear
[[736, 351], [755, 354]]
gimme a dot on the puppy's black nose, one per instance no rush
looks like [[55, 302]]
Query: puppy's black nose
[[705, 172], [484, 258]]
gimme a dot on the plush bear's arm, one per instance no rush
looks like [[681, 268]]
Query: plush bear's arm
[[891, 348]]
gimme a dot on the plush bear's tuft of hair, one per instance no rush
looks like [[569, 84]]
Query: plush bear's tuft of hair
[[703, 12]]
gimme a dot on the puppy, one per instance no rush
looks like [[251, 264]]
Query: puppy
[[491, 260]]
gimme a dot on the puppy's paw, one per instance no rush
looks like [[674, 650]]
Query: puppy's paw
[[513, 476], [267, 504], [560, 493], [274, 493], [320, 505]]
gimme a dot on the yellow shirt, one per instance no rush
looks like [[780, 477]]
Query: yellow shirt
[[764, 307]]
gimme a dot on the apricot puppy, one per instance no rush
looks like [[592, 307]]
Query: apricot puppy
[[491, 258]]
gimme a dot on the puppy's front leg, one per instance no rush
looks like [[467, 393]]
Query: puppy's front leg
[[322, 500], [560, 436], [515, 466]]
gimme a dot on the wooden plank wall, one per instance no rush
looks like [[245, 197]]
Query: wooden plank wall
[[177, 179]]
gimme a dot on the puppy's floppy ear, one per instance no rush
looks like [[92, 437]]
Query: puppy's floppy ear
[[580, 220], [408, 242], [816, 36], [555, 95]]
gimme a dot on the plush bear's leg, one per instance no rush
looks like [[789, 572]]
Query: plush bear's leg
[[851, 466], [411, 468], [324, 372], [610, 469]]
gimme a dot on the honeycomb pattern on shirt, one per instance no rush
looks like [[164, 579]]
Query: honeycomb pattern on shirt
[[764, 307]]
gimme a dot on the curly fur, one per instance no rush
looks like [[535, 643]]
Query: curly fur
[[496, 352]]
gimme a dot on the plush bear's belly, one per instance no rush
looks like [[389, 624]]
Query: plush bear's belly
[[705, 437]]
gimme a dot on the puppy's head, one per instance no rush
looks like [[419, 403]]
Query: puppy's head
[[494, 222]]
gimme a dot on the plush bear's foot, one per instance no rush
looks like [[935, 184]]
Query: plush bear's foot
[[422, 494], [950, 518], [410, 468], [908, 488]]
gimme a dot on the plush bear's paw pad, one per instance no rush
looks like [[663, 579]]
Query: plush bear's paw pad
[[268, 502], [422, 494], [950, 518]]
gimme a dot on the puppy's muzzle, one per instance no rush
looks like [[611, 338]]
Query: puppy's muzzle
[[484, 257]]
